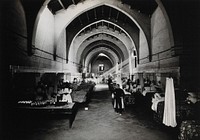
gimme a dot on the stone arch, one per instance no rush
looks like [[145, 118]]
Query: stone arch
[[142, 22], [112, 56], [78, 40], [118, 46], [87, 5], [80, 48], [80, 8], [95, 45]]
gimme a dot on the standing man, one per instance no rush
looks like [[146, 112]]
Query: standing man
[[112, 91], [109, 83], [118, 99]]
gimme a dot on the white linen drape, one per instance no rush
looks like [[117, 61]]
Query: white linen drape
[[169, 116]]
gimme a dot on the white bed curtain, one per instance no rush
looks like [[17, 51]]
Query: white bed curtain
[[169, 116]]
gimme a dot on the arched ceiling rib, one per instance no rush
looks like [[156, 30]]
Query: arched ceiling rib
[[113, 10], [94, 53], [145, 6], [110, 42], [126, 42], [100, 44], [100, 13], [112, 18], [142, 22], [119, 33], [107, 55]]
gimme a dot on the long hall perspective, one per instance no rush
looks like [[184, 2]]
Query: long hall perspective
[[99, 69]]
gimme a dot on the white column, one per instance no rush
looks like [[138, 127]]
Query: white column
[[117, 68], [130, 62]]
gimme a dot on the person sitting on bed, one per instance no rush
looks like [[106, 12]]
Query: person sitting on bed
[[159, 86]]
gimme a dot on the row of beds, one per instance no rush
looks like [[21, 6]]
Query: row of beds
[[187, 127]]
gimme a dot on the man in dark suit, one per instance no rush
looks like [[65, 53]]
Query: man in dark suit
[[118, 99]]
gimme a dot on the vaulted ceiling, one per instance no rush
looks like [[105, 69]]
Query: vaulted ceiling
[[113, 19], [144, 6]]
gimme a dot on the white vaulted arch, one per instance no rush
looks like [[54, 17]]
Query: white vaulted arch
[[61, 22], [63, 18], [73, 11], [80, 38], [119, 45], [105, 50]]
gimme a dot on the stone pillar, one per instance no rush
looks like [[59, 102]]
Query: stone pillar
[[130, 63]]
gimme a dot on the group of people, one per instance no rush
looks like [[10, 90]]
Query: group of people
[[117, 96]]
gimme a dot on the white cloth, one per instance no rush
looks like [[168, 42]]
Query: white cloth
[[146, 90], [144, 93], [113, 95], [65, 90], [122, 100], [169, 116], [157, 98], [115, 104], [67, 98], [126, 92]]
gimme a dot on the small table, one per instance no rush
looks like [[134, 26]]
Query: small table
[[68, 109]]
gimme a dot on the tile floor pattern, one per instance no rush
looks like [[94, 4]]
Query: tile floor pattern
[[99, 122]]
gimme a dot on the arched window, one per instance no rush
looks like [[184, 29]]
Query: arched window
[[101, 67]]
